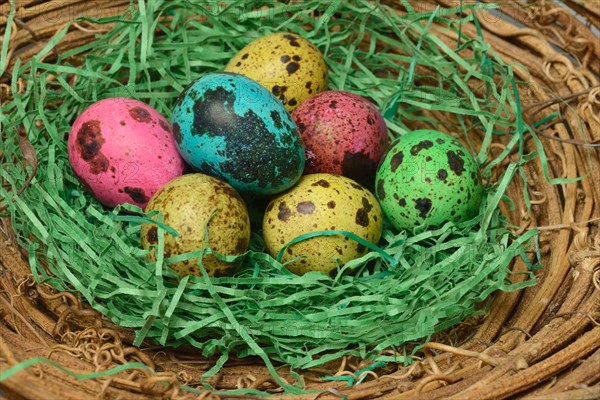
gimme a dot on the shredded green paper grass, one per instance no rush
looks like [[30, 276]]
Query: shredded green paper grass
[[404, 291]]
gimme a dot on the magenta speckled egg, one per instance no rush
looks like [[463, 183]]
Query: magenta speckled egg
[[123, 151], [343, 134]]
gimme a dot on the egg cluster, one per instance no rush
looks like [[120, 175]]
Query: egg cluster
[[265, 134]]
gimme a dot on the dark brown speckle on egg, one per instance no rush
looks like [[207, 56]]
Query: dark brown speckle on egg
[[423, 205], [305, 207], [322, 183], [396, 161], [284, 212], [176, 133], [89, 143], [292, 67], [164, 125], [362, 217], [381, 189], [455, 162], [423, 145], [140, 114], [153, 235]]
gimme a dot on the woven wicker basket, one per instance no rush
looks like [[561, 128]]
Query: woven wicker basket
[[539, 343]]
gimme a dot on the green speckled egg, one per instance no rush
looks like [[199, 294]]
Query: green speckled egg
[[428, 178], [321, 202], [291, 67], [187, 204]]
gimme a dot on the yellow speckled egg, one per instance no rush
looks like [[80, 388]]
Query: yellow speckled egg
[[322, 202], [187, 204], [291, 67]]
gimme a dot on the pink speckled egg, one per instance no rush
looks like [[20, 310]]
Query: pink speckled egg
[[123, 151], [343, 134]]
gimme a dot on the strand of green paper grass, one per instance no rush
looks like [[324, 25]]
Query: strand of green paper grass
[[15, 369]]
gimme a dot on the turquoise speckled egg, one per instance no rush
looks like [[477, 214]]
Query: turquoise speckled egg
[[229, 126], [428, 178]]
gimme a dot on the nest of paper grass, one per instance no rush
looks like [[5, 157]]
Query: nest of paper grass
[[381, 307]]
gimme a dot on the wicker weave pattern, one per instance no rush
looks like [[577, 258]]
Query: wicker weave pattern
[[540, 343]]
